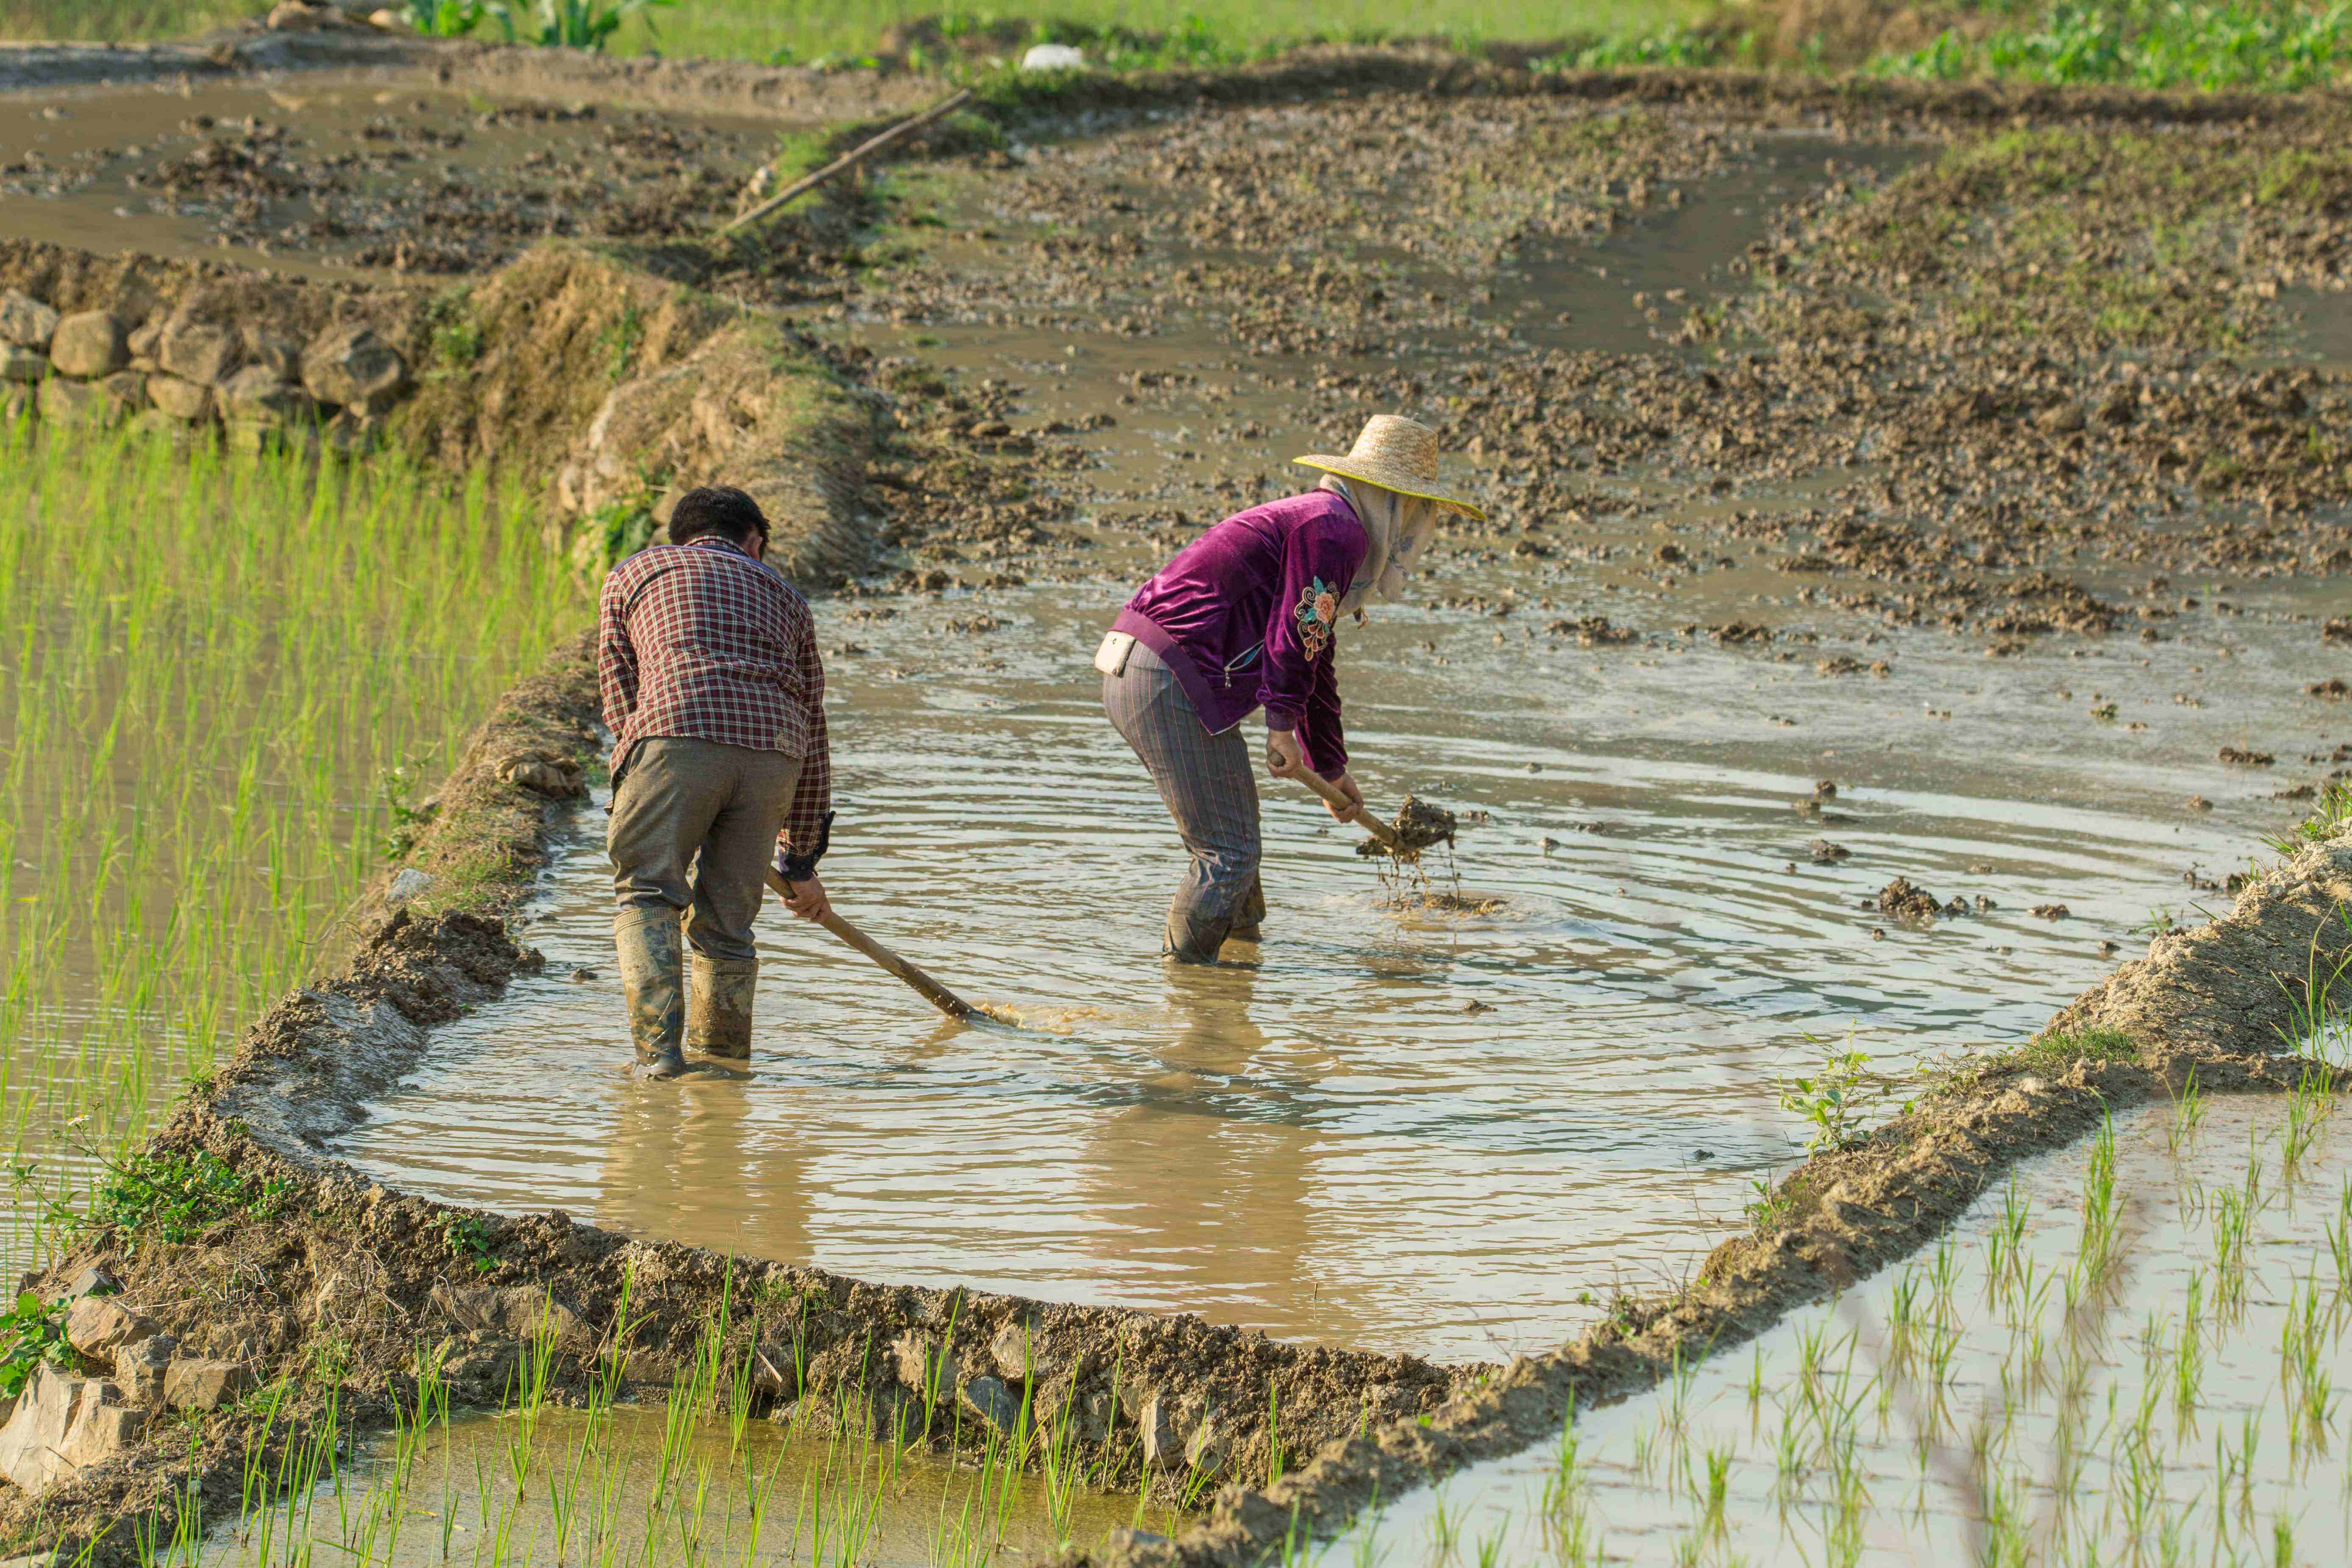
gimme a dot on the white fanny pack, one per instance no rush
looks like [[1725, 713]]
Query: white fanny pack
[[1111, 657]]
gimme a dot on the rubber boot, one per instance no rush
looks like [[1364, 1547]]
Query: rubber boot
[[652, 952], [719, 1006], [1249, 916]]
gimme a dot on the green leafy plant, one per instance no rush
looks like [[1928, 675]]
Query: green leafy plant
[[467, 1238], [576, 24], [1835, 1099], [177, 1197], [407, 820], [36, 1335], [444, 19]]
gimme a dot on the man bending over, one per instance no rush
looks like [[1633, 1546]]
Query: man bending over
[[714, 696]]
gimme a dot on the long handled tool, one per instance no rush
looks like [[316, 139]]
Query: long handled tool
[[1382, 833], [931, 990], [848, 160]]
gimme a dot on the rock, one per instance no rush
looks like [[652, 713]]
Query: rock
[[98, 1326], [1160, 1448], [992, 1402], [556, 776], [1017, 1353], [89, 345], [23, 364], [921, 1365], [126, 390], [25, 322], [293, 17], [199, 352], [530, 1314], [72, 402], [185, 401], [282, 357], [91, 1281], [407, 884], [1208, 1448], [144, 340], [354, 435], [62, 1425], [139, 1367], [1827, 853], [252, 437], [352, 367], [1902, 898], [1053, 57], [204, 1383], [256, 393]]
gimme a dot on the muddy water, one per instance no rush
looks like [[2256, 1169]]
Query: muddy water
[[625, 1486], [1992, 1401], [1452, 1134]]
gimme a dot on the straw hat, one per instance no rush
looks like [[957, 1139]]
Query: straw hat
[[1396, 454]]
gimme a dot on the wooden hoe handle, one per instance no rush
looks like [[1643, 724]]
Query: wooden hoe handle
[[1380, 830], [931, 990]]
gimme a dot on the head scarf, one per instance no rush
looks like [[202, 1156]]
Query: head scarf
[[1399, 527]]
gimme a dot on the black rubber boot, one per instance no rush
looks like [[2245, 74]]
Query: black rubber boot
[[719, 1006], [651, 949]]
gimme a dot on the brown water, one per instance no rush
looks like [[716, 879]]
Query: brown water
[[1443, 1133]]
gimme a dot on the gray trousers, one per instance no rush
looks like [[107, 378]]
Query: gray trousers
[[1206, 783], [694, 826]]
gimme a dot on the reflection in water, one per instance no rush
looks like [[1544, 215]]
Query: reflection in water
[[1444, 1133]]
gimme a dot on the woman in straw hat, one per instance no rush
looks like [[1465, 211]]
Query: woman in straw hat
[[1246, 617]]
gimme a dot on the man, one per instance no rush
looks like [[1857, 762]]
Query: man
[[714, 696]]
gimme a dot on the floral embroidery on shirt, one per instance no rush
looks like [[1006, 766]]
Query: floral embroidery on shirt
[[1318, 612]]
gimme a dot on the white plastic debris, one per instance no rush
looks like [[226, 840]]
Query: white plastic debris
[[1053, 57]]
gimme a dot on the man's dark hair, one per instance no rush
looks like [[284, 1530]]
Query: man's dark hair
[[717, 509]]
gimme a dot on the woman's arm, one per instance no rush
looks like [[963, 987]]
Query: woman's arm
[[1299, 690]]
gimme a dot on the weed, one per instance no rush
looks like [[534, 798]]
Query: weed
[[36, 1335], [2054, 1053], [1835, 1100], [468, 1239], [177, 1197], [444, 19], [574, 23]]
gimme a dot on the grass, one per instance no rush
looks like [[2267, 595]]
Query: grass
[[2055, 1052], [210, 670]]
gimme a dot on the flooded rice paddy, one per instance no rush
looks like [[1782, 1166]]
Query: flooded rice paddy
[[2132, 1351], [1453, 1134]]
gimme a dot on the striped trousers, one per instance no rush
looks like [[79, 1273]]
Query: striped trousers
[[1206, 783]]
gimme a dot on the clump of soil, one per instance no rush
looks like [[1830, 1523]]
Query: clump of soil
[[1904, 900]]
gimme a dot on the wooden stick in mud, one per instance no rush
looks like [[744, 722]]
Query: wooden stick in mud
[[848, 160], [931, 990], [1381, 831]]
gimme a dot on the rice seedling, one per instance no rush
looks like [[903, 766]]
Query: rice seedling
[[2187, 1112], [200, 710]]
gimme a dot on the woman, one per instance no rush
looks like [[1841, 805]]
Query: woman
[[1247, 616]]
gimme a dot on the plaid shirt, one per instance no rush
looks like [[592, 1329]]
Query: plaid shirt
[[701, 640]]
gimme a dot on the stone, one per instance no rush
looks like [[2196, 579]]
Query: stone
[[352, 435], [257, 392], [921, 1365], [16, 403], [126, 389], [144, 338], [25, 322], [89, 345], [61, 1424], [99, 1325], [281, 356], [1053, 57], [204, 1383], [155, 422], [1161, 1450], [352, 367], [293, 17], [1208, 1448], [1016, 1352], [139, 1367], [531, 1314], [23, 364], [990, 1399], [406, 883], [554, 776], [70, 402], [199, 352], [185, 401], [251, 437]]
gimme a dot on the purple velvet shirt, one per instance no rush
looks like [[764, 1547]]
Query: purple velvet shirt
[[1246, 617]]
